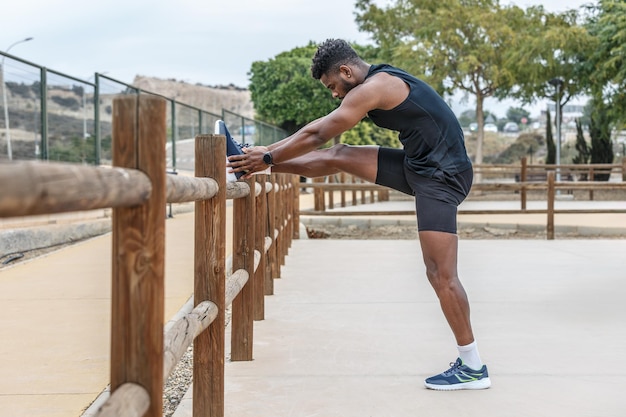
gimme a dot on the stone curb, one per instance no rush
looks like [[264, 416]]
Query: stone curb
[[372, 222], [30, 238]]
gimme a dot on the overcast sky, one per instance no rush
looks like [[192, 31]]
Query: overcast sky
[[209, 42]]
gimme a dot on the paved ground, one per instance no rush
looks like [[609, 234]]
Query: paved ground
[[353, 335], [55, 323], [356, 334]]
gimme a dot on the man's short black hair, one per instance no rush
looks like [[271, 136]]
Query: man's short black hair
[[331, 55]]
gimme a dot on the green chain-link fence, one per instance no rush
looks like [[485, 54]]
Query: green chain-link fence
[[53, 116]]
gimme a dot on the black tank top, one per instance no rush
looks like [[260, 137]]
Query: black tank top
[[428, 129]]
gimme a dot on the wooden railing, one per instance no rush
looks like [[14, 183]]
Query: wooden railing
[[349, 190], [265, 216], [569, 173], [537, 172], [549, 186]]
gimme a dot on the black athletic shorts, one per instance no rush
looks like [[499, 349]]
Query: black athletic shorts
[[436, 200]]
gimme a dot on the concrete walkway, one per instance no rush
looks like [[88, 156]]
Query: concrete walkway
[[355, 334], [352, 330], [55, 322]]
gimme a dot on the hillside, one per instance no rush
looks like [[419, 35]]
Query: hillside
[[70, 114], [211, 99]]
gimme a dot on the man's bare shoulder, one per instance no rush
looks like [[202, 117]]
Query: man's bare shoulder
[[390, 90]]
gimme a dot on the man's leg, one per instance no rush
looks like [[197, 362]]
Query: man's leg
[[361, 161], [436, 204], [440, 257]]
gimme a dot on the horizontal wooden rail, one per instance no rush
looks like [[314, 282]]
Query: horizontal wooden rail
[[460, 211], [236, 281], [367, 186], [502, 186], [560, 185], [30, 188], [181, 189], [93, 188], [128, 400], [181, 335]]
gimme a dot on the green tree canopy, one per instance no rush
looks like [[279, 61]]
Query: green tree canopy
[[454, 44], [516, 114], [549, 49], [285, 94], [605, 68], [367, 133]]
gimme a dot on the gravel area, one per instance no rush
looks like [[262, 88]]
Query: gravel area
[[178, 383], [401, 232]]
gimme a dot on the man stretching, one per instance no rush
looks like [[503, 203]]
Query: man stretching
[[433, 166]]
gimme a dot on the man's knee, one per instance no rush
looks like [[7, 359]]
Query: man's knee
[[440, 274]]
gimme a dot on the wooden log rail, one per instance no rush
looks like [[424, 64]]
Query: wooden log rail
[[550, 186], [265, 210], [525, 171], [324, 190]]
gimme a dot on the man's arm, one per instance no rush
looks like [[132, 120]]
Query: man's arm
[[284, 141], [353, 108]]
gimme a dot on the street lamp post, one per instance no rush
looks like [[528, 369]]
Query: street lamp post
[[558, 83], [4, 100]]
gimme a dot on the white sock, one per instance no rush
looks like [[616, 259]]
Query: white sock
[[470, 357]]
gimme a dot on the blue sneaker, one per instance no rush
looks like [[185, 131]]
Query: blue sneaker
[[232, 146], [459, 376]]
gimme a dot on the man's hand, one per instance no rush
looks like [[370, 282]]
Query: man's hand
[[250, 162]]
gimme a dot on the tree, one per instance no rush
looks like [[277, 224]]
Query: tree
[[551, 156], [467, 117], [516, 114], [455, 44], [550, 48], [583, 151], [605, 68], [285, 94], [367, 133], [600, 134]]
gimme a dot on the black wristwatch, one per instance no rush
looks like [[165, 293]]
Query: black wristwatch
[[268, 159]]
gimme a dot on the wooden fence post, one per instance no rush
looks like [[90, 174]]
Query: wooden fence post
[[363, 193], [210, 279], [591, 178], [289, 207], [271, 219], [319, 202], [550, 198], [523, 176], [278, 226], [284, 235], [296, 207], [242, 322], [259, 244], [624, 168], [138, 252], [331, 193], [342, 179]]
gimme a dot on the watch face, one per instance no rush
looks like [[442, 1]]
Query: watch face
[[267, 158]]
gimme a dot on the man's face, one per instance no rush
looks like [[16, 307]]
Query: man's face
[[339, 83]]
